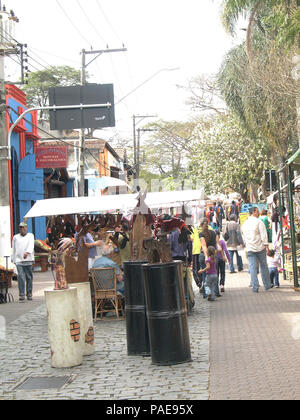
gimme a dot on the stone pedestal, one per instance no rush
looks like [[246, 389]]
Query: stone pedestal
[[64, 328], [85, 317]]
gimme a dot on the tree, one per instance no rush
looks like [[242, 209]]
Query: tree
[[282, 16], [167, 150], [225, 158], [266, 109], [40, 81], [205, 95], [256, 77]]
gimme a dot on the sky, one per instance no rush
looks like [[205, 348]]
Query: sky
[[168, 43]]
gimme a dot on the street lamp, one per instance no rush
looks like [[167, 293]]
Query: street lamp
[[146, 81], [136, 152]]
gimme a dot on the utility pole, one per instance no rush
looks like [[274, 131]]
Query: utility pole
[[296, 77], [5, 231], [138, 147], [136, 144], [7, 46], [82, 135]]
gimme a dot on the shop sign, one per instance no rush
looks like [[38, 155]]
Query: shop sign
[[51, 157]]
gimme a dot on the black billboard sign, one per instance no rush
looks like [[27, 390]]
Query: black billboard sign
[[66, 119]]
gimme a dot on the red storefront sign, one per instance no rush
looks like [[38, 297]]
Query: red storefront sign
[[51, 157]]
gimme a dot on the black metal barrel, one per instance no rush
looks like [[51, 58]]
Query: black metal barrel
[[135, 309], [166, 314]]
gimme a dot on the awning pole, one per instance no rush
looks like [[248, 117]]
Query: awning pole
[[281, 225], [292, 227]]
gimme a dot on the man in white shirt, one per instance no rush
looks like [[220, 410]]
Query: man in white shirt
[[23, 257], [256, 241]]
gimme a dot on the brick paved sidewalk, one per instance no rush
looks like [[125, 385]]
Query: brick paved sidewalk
[[108, 374], [244, 346], [255, 342]]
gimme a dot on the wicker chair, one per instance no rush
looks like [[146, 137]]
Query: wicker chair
[[104, 281]]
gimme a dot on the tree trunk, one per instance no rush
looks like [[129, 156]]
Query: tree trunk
[[249, 30]]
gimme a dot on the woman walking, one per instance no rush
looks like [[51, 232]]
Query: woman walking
[[222, 255], [233, 238]]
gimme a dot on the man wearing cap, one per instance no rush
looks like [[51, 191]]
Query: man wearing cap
[[23, 257]]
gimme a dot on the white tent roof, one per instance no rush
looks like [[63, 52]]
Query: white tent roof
[[74, 205], [172, 198], [108, 181], [105, 203]]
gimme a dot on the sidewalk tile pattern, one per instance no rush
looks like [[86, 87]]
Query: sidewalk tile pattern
[[255, 343], [109, 373]]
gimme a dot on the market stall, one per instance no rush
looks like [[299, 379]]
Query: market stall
[[148, 239], [122, 202], [289, 196]]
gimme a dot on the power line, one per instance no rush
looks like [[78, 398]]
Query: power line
[[37, 69], [19, 44], [56, 138], [39, 57], [54, 55], [91, 23], [74, 26], [37, 62], [109, 23]]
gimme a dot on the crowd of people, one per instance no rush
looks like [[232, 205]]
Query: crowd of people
[[214, 245], [207, 247]]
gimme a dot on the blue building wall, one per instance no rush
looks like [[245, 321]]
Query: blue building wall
[[70, 188], [30, 179], [31, 189]]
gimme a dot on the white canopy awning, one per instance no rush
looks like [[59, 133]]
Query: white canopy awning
[[105, 203], [81, 205], [172, 198], [103, 182]]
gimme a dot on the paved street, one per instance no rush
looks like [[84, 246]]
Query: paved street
[[244, 346]]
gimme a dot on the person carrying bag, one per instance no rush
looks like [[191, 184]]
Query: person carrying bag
[[234, 240]]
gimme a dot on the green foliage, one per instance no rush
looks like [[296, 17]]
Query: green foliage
[[232, 10], [226, 158], [262, 95], [40, 81], [167, 149], [281, 16]]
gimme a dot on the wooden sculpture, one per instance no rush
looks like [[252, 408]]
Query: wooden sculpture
[[77, 270]]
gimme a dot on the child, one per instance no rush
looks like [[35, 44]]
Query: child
[[221, 261], [211, 281], [273, 261]]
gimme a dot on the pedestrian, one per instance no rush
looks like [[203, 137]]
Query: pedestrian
[[275, 219], [209, 214], [234, 240], [105, 260], [265, 219], [233, 209], [211, 281], [195, 255], [256, 241], [90, 243], [219, 211], [273, 261], [123, 238], [23, 257], [207, 238], [240, 205], [178, 249], [222, 255]]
